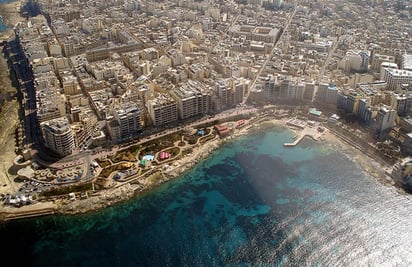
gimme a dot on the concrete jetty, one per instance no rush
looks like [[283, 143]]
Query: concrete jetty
[[294, 143], [310, 131]]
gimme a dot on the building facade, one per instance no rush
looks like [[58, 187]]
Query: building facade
[[58, 136]]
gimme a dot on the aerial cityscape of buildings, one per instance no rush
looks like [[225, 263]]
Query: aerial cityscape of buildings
[[104, 72]]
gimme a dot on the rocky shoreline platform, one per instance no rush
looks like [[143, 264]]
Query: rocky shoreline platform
[[121, 191], [125, 191]]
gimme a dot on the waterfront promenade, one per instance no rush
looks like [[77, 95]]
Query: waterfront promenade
[[122, 190], [160, 174]]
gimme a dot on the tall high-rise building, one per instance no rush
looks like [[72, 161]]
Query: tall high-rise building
[[224, 94], [284, 88], [378, 59], [321, 92], [277, 3], [401, 105], [396, 78], [406, 62], [355, 61], [269, 88], [193, 98], [58, 136], [364, 64], [364, 111], [162, 110], [327, 93], [309, 91], [385, 119], [238, 90], [124, 123]]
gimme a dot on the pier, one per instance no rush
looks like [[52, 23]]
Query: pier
[[294, 143], [314, 132]]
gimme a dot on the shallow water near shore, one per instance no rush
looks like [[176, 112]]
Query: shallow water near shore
[[253, 202]]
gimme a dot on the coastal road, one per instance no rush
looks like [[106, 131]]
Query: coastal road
[[224, 115]]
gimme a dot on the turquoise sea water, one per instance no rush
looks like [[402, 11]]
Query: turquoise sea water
[[251, 203]]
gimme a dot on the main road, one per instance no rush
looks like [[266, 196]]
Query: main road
[[325, 64], [269, 57]]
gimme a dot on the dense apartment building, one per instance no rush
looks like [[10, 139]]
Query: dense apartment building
[[309, 91], [162, 109], [357, 61], [193, 98], [406, 62], [396, 78], [124, 123], [225, 95], [327, 93], [385, 118], [50, 105], [349, 102], [377, 60], [58, 136], [365, 113], [254, 33]]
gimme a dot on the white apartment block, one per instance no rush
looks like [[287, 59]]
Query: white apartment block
[[239, 90], [378, 59], [83, 130], [386, 118], [224, 94], [193, 98], [176, 57], [407, 62], [58, 136], [384, 65], [162, 110], [129, 119], [255, 33], [355, 61], [309, 91], [327, 93], [50, 105], [395, 78]]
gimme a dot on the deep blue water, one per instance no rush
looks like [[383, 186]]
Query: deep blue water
[[251, 203]]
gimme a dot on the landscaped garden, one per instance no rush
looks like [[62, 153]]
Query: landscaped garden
[[116, 167], [168, 153], [123, 156]]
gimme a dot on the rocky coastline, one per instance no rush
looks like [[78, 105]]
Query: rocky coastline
[[125, 191]]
